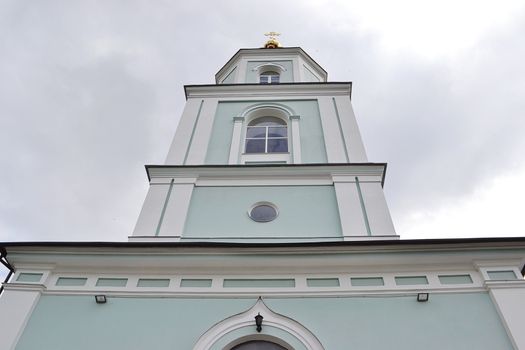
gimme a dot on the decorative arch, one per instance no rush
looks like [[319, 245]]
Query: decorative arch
[[215, 338], [263, 72], [269, 66], [265, 109]]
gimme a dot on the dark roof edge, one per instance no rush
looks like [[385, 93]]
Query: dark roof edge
[[391, 242]]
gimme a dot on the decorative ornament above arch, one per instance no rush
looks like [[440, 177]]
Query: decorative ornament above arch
[[265, 109], [269, 66], [246, 319]]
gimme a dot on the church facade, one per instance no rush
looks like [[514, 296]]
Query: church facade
[[266, 228]]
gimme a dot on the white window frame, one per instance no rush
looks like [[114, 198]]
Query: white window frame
[[240, 123], [266, 136], [215, 337], [269, 67], [267, 77]]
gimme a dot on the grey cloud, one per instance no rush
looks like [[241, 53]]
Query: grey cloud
[[91, 91]]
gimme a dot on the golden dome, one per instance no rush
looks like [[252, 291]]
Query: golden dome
[[272, 42]]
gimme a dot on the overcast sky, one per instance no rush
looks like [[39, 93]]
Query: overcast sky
[[90, 91]]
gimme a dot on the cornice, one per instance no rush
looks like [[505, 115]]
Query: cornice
[[295, 171], [225, 91]]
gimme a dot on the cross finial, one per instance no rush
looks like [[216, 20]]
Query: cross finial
[[272, 35], [272, 42]]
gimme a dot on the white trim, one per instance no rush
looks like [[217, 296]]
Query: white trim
[[176, 210], [332, 134], [301, 289], [269, 66], [246, 319], [236, 140], [199, 144], [181, 139], [273, 91], [350, 213], [296, 138], [257, 110], [17, 303]]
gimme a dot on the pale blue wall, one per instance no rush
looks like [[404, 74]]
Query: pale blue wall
[[447, 321], [312, 140], [78, 323], [253, 77], [304, 211]]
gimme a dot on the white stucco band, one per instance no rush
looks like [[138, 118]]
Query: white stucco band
[[176, 210], [350, 130], [17, 303], [508, 298], [165, 207], [151, 209], [376, 208], [362, 207], [181, 141], [296, 139]]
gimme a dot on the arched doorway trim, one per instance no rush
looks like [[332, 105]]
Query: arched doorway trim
[[246, 319]]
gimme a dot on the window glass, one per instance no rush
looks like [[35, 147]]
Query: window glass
[[267, 121], [269, 77], [258, 345], [277, 145], [256, 132], [266, 135], [279, 131], [263, 213], [255, 146]]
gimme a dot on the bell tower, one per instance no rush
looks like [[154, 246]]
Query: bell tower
[[269, 153]]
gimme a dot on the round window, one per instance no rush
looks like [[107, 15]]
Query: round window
[[263, 212]]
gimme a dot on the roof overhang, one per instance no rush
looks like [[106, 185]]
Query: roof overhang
[[225, 91], [262, 171], [311, 256]]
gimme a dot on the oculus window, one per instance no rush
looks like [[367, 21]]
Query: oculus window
[[269, 77], [267, 135], [258, 345], [263, 212]]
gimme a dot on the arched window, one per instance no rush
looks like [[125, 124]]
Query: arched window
[[267, 135], [269, 77], [258, 345]]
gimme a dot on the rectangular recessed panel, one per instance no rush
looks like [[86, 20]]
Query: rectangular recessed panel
[[367, 281], [502, 275], [153, 282], [71, 281], [455, 279], [199, 283], [411, 280], [112, 282], [322, 282], [259, 283], [29, 277]]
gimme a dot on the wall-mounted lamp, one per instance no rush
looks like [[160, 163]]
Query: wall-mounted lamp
[[258, 322], [100, 299], [422, 297]]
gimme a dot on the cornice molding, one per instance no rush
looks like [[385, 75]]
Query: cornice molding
[[273, 91]]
